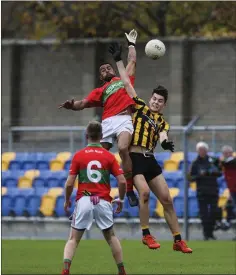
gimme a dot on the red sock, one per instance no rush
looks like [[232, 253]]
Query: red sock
[[129, 185]]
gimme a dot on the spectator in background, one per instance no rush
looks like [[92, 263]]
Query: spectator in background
[[205, 171], [228, 163]]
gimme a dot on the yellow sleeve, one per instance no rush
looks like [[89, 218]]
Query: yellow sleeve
[[140, 103]]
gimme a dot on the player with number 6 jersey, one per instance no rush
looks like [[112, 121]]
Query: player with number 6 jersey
[[93, 166]]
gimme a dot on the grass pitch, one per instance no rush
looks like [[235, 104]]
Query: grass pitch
[[94, 257]]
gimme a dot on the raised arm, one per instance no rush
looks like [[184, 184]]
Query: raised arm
[[131, 60], [115, 49]]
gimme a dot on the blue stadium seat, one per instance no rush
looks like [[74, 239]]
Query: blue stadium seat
[[52, 182], [152, 204], [193, 207], [6, 205], [26, 192], [222, 182], [174, 175], [19, 204], [10, 182], [13, 191], [32, 205], [59, 207], [162, 156], [45, 174], [49, 156], [40, 191], [180, 183], [67, 165], [179, 206], [14, 165], [62, 182], [42, 165], [21, 156], [192, 156], [171, 182], [181, 165], [113, 181], [59, 174], [161, 163], [28, 165], [17, 173], [39, 182], [5, 174]]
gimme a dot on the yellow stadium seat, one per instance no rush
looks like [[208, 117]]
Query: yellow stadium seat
[[170, 165], [117, 156], [56, 165], [159, 208], [5, 165], [177, 156], [8, 156], [31, 174], [55, 191], [114, 192], [47, 205], [24, 182], [193, 185], [63, 156], [4, 190], [222, 203]]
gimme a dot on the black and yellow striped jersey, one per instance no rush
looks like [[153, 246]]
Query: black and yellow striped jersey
[[147, 125]]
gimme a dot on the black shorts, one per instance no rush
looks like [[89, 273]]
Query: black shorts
[[146, 166]]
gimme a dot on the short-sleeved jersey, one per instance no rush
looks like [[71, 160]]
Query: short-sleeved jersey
[[112, 96], [147, 126], [93, 165]]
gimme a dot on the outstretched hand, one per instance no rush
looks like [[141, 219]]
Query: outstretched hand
[[69, 104], [131, 37], [115, 49], [168, 145]]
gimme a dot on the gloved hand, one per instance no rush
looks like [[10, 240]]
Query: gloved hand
[[168, 145], [115, 49], [131, 37]]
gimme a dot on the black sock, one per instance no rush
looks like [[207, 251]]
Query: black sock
[[146, 231], [177, 238]]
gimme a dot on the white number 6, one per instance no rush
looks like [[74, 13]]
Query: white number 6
[[94, 175]]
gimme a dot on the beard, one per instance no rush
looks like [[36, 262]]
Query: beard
[[108, 77]]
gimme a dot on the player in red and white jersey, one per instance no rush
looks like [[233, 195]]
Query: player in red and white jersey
[[93, 166], [117, 110]]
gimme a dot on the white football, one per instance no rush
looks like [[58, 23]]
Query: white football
[[155, 49]]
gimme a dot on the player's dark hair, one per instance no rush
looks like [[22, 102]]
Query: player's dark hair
[[105, 63], [94, 131], [161, 90]]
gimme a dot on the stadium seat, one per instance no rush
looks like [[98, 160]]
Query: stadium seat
[[10, 182], [4, 191], [152, 205], [26, 192], [47, 205], [61, 182], [114, 192], [226, 193], [174, 192], [13, 191], [8, 156], [193, 207], [46, 174], [24, 182], [181, 165], [161, 163], [32, 205], [193, 185], [63, 156], [222, 182], [6, 205], [5, 165], [192, 156], [170, 165], [179, 206], [162, 156], [170, 182], [19, 204], [177, 156], [52, 182], [31, 174], [42, 165], [49, 156], [40, 191], [56, 165], [14, 165], [5, 174], [55, 192], [21, 156], [67, 165], [180, 183], [59, 207], [28, 165], [39, 182], [113, 181]]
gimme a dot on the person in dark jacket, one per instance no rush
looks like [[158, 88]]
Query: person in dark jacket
[[205, 171]]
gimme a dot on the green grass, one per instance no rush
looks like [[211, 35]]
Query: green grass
[[94, 257]]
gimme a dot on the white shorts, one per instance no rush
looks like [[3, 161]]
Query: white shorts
[[85, 212], [113, 126]]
